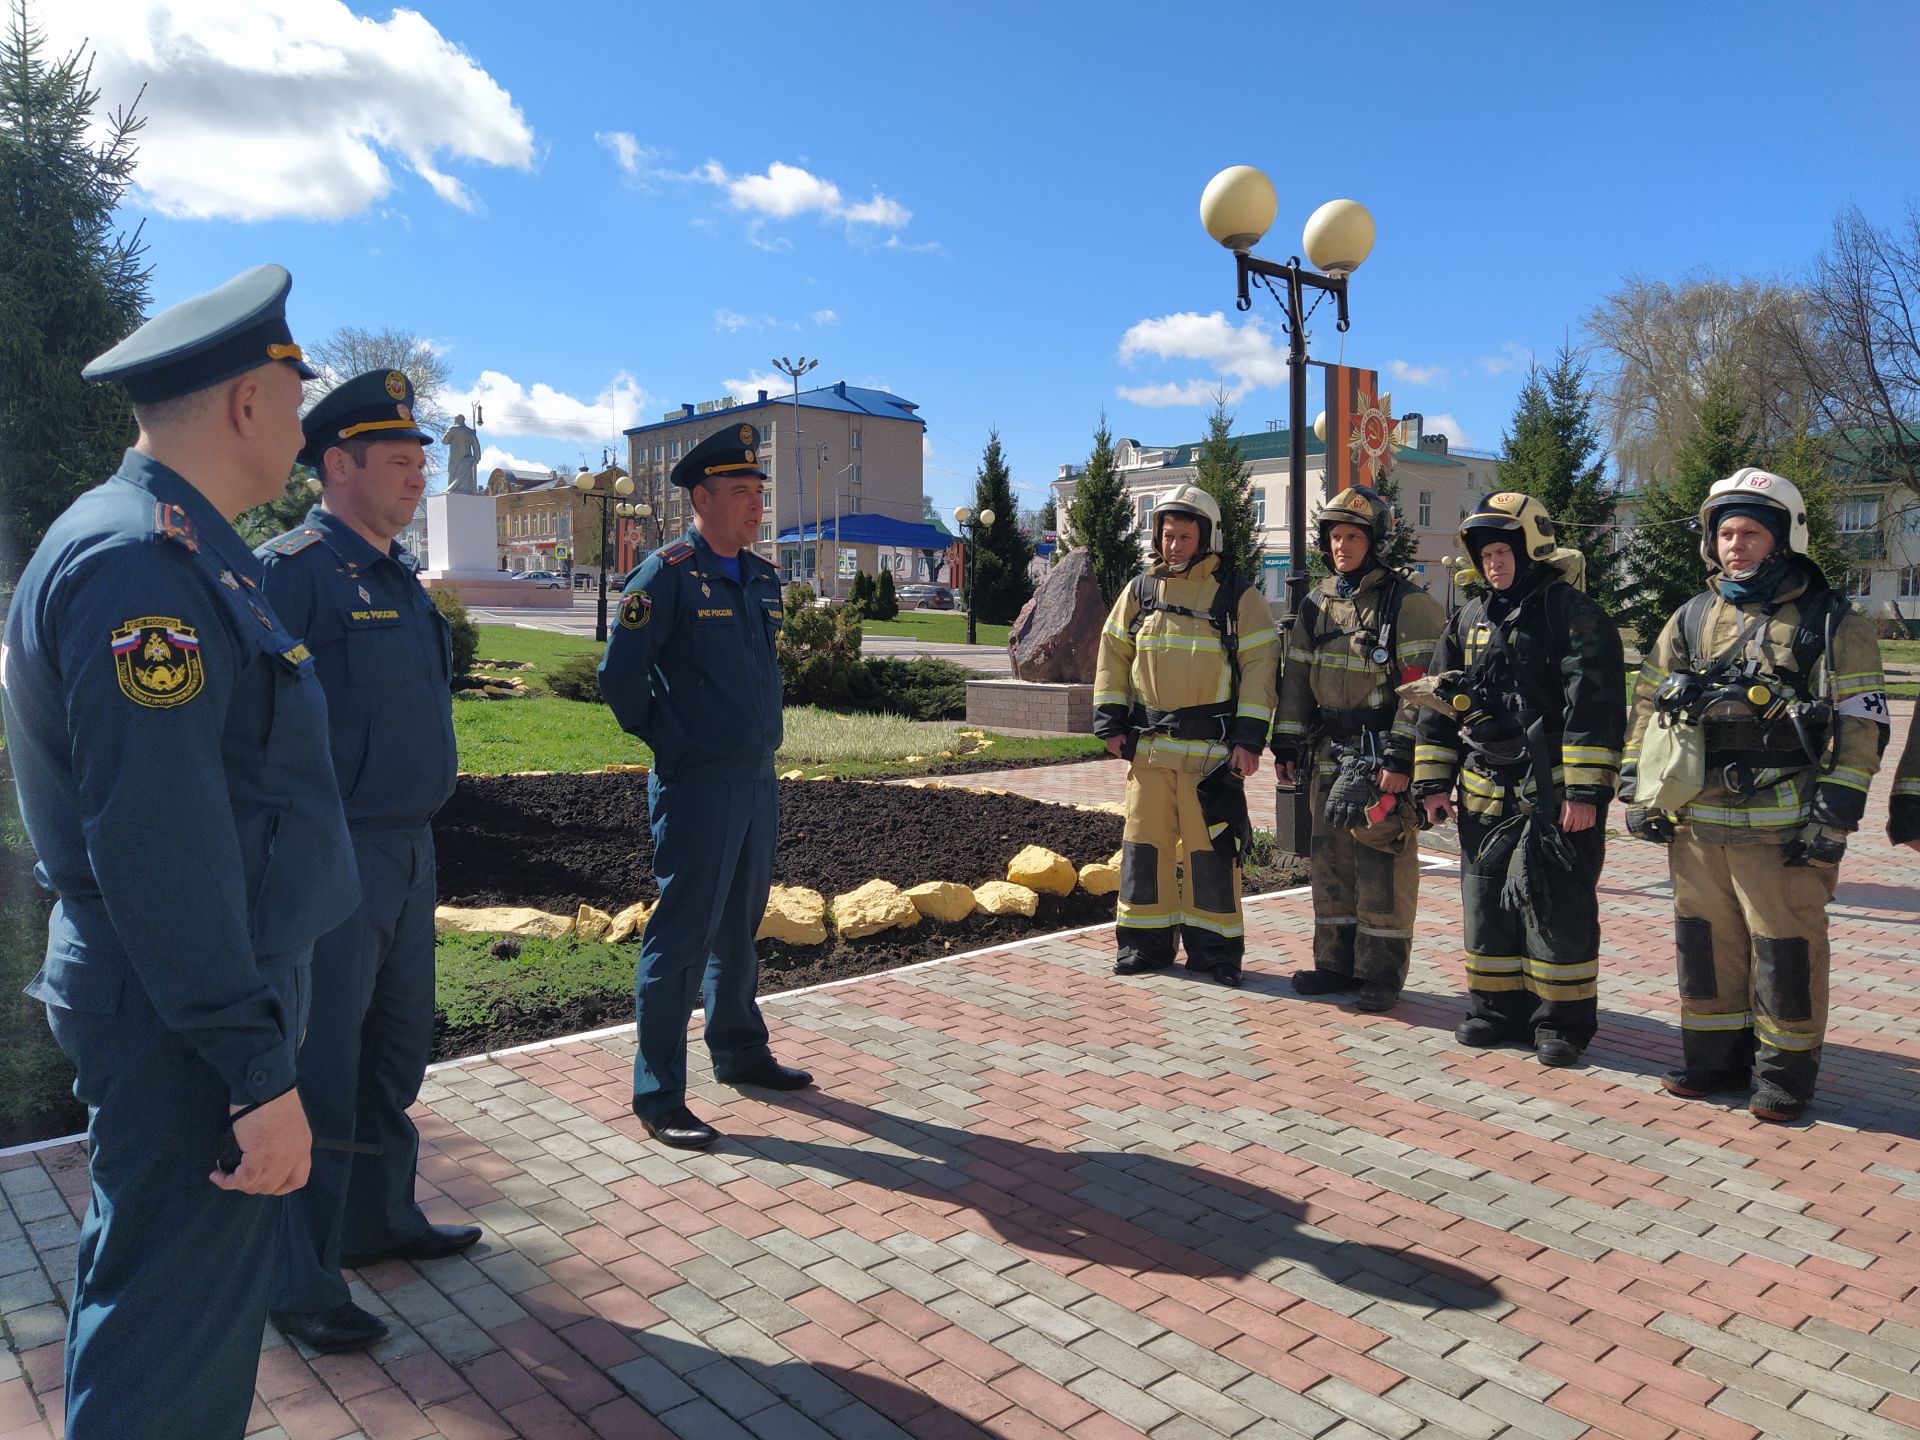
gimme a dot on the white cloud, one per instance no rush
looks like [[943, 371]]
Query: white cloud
[[1416, 374], [511, 408], [493, 458], [1161, 397], [1445, 425], [627, 149], [1510, 356], [748, 390], [1244, 357], [732, 321], [825, 317], [290, 108]]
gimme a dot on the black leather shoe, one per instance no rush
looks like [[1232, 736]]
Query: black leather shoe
[[330, 1332], [436, 1242], [1135, 965], [1376, 999], [1229, 978], [1558, 1053], [681, 1129], [769, 1074], [1478, 1030]]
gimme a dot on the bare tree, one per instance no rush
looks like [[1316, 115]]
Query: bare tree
[[1863, 360], [351, 350], [1655, 345]]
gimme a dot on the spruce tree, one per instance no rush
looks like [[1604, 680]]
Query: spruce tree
[[1100, 520], [886, 600], [999, 585], [70, 285], [1219, 470], [1803, 460], [1553, 453], [1664, 568]]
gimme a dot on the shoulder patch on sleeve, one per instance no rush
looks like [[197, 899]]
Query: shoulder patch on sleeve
[[156, 659], [293, 542], [677, 552], [636, 609]]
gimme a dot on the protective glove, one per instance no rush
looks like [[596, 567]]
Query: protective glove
[[1285, 752], [1653, 825], [1817, 846], [1350, 793]]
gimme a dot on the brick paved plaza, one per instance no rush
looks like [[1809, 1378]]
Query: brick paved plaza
[[1029, 1200]]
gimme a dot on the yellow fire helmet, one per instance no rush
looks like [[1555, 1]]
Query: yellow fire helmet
[[1519, 519], [1753, 486], [1187, 500], [1359, 505]]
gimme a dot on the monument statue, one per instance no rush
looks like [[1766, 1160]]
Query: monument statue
[[463, 458]]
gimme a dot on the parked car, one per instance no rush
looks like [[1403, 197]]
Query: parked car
[[925, 597], [543, 579]]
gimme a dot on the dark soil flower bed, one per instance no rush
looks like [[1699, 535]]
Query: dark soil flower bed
[[557, 841]]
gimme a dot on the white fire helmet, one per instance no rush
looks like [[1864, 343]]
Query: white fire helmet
[[1753, 486], [1187, 500]]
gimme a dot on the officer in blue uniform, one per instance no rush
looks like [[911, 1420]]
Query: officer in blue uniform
[[381, 650], [169, 742], [691, 669]]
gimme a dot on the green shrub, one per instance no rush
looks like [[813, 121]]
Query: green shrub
[[819, 652], [576, 678], [466, 634], [917, 689], [860, 595], [886, 604]]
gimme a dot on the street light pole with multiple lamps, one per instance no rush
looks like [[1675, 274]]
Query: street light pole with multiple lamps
[[619, 486], [1237, 208], [969, 528]]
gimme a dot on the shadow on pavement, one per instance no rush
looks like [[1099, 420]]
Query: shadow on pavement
[[1133, 1210]]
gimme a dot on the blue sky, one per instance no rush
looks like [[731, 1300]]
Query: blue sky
[[603, 210]]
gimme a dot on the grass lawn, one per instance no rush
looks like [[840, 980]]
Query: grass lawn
[[497, 737], [948, 626], [540, 649]]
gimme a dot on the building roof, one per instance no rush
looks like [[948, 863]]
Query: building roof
[[520, 481], [842, 397], [870, 530], [1273, 445]]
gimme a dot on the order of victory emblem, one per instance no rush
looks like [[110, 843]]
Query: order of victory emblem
[[157, 661]]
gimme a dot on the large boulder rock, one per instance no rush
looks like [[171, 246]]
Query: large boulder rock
[[1056, 639], [875, 906], [1003, 897], [1039, 868], [796, 915], [946, 900], [500, 920], [592, 924], [1099, 879], [627, 924]]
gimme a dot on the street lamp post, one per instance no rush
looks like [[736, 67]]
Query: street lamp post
[[1237, 208], [618, 487], [794, 369], [969, 528]]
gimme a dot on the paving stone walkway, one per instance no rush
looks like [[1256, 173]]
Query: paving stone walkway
[[1029, 1200]]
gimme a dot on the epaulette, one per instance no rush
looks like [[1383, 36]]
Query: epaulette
[[171, 521], [678, 551], [294, 541]]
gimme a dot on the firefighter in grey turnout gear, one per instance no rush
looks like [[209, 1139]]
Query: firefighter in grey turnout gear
[[1184, 692], [1758, 723], [1360, 633], [1525, 718]]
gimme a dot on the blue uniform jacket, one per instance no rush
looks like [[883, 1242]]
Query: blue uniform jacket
[[691, 667], [169, 743], [384, 656]]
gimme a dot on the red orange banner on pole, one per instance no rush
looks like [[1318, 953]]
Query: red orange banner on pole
[[1360, 428]]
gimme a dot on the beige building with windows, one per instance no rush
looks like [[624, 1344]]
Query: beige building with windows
[[844, 450], [1437, 487]]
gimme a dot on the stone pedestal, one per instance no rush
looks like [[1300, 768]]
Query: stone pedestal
[[463, 554], [1021, 707]]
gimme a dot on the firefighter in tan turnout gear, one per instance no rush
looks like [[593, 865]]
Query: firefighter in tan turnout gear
[[1529, 683], [1364, 630], [1184, 692], [1758, 722], [1903, 812]]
